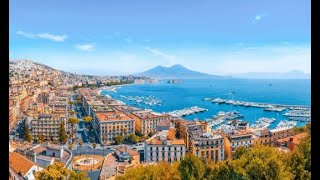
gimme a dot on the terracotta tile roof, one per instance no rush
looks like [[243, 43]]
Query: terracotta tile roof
[[19, 163], [113, 116]]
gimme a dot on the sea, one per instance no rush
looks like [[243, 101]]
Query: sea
[[190, 93]]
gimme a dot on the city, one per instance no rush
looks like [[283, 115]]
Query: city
[[105, 137], [160, 90]]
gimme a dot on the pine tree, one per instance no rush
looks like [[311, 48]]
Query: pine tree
[[27, 135], [62, 134]]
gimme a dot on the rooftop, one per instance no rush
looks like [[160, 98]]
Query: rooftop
[[113, 116], [146, 114], [19, 163]]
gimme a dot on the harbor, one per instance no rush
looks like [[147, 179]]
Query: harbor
[[186, 111], [147, 100], [266, 106]]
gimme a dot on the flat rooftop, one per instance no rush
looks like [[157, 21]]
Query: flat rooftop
[[148, 114], [113, 116]]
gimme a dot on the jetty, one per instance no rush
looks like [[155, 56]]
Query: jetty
[[266, 106], [186, 111]]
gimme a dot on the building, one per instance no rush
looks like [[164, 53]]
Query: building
[[22, 168], [290, 142], [48, 125], [110, 124], [163, 146], [236, 139], [207, 145], [282, 132], [146, 121], [262, 136]]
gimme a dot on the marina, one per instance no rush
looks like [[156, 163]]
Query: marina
[[263, 123], [186, 111], [266, 106], [286, 124], [222, 116], [147, 100]]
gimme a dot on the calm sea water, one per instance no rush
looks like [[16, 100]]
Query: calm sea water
[[192, 92]]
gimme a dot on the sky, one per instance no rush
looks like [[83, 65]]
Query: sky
[[117, 37]]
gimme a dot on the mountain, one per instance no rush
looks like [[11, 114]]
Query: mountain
[[295, 74], [175, 72]]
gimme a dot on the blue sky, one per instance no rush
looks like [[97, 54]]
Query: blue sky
[[121, 37]]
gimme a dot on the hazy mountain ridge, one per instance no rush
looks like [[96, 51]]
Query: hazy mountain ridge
[[175, 72]]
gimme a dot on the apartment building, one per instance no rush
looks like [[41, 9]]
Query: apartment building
[[147, 121], [236, 139], [163, 146], [207, 145], [110, 124], [48, 125]]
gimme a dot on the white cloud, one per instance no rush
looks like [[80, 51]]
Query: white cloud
[[258, 17], [48, 36], [25, 34], [86, 47], [57, 38]]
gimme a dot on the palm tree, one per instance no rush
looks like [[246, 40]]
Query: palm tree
[[80, 144]]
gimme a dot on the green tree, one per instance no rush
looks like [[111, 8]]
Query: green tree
[[131, 139], [239, 152], [263, 162], [72, 112], [62, 133], [40, 138], [70, 146], [118, 139], [88, 119], [72, 122], [55, 171], [162, 170], [191, 167], [71, 102], [150, 134], [27, 134], [82, 175]]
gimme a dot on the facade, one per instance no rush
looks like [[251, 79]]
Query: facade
[[236, 139], [147, 121], [48, 125], [290, 142], [110, 124], [208, 145], [163, 146]]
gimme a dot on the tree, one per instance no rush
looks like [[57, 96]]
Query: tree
[[80, 144], [263, 162], [62, 133], [191, 167], [72, 122], [82, 175], [131, 139], [27, 135], [55, 171], [72, 112], [88, 119], [150, 134], [118, 139], [70, 147], [71, 102], [40, 138], [239, 152], [161, 170]]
